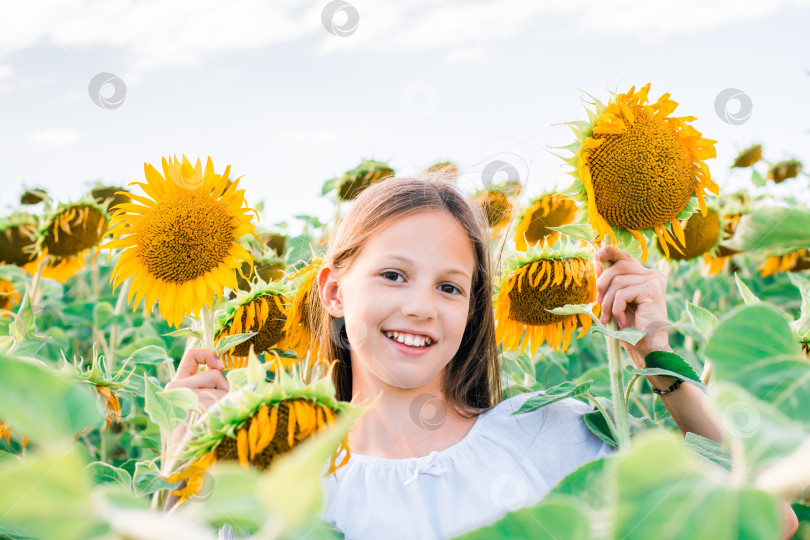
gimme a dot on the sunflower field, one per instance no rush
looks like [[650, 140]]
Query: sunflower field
[[100, 297]]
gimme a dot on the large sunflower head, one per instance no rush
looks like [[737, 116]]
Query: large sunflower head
[[353, 182], [748, 157], [67, 234], [539, 280], [18, 237], [780, 261], [258, 421], [779, 172], [262, 309], [547, 210], [301, 326], [178, 242], [638, 168]]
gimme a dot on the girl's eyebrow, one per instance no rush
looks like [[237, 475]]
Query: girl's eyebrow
[[412, 263]]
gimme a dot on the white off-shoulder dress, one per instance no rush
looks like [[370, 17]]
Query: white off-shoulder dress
[[505, 462]]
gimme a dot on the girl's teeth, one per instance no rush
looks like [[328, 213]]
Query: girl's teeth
[[410, 340]]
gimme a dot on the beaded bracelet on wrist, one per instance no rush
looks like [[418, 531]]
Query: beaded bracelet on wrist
[[672, 388]]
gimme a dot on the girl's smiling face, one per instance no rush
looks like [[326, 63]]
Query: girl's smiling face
[[413, 277]]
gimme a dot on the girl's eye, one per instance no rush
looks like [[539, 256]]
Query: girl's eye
[[453, 287], [388, 273]]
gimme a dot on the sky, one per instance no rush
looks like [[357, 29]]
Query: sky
[[291, 94]]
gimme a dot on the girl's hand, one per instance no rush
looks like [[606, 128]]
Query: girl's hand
[[210, 386], [636, 297]]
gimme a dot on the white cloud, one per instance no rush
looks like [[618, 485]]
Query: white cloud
[[55, 136]]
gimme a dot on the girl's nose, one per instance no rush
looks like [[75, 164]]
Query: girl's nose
[[420, 303]]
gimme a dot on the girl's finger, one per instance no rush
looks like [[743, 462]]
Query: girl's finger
[[623, 268], [620, 283], [194, 358], [610, 253], [207, 379]]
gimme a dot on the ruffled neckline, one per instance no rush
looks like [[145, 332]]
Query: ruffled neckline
[[435, 454]]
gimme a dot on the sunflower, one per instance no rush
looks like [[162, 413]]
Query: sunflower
[[783, 170], [179, 242], [33, 196], [792, 261], [301, 326], [275, 241], [258, 421], [732, 208], [262, 309], [446, 170], [268, 267], [108, 386], [702, 235], [18, 236], [353, 182], [67, 234], [9, 297], [748, 157], [539, 280], [547, 210], [6, 433], [112, 196], [806, 348], [639, 169]]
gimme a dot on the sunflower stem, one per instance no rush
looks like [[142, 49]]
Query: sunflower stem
[[32, 297], [605, 415], [207, 320]]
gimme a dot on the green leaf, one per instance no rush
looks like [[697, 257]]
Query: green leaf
[[754, 348], [553, 394], [667, 364], [229, 342], [590, 483], [329, 185], [772, 227], [765, 432], [577, 231], [557, 519], [42, 404], [598, 425], [702, 319], [147, 479], [102, 314], [575, 309], [104, 472], [709, 449], [756, 178], [163, 411], [47, 495], [151, 354], [630, 335], [748, 297], [186, 333], [665, 490], [230, 499]]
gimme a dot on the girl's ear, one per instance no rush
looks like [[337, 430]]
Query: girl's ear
[[329, 290]]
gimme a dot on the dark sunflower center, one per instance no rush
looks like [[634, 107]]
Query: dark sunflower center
[[496, 207], [701, 235], [184, 237], [74, 230], [643, 177], [13, 242], [269, 333], [529, 305]]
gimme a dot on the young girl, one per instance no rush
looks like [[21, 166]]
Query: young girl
[[406, 311]]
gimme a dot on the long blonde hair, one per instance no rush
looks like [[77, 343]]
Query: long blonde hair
[[472, 381]]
